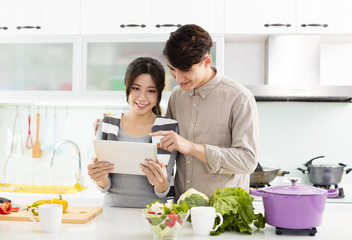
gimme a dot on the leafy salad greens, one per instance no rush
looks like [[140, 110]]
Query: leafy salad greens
[[235, 205]]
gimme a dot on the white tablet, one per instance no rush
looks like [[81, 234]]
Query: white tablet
[[126, 156]]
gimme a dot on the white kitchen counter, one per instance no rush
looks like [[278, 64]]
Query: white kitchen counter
[[123, 223]]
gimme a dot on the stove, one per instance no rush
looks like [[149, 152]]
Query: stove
[[259, 185], [309, 231], [341, 192]]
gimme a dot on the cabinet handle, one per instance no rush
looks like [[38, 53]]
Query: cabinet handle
[[3, 28], [314, 25], [168, 25], [28, 27], [132, 25], [277, 25]]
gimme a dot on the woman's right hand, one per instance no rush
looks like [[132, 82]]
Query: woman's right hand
[[99, 172]]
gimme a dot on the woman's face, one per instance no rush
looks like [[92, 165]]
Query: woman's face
[[143, 94]]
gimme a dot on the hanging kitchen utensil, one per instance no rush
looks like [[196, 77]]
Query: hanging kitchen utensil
[[45, 144], [36, 152], [13, 146], [29, 142], [324, 174]]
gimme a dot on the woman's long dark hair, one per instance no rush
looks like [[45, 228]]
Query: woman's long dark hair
[[146, 65]]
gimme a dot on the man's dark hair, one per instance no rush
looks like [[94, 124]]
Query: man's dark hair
[[187, 46]]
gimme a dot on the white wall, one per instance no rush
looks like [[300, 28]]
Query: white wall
[[293, 133], [290, 133]]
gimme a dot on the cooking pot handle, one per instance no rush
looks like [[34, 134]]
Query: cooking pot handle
[[304, 171], [283, 173], [332, 192], [310, 161], [257, 192], [348, 170]]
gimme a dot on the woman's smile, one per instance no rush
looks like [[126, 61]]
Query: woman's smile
[[141, 106]]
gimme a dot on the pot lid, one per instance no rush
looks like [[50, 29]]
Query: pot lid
[[326, 165], [295, 189]]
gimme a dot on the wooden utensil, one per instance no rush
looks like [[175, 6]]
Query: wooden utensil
[[37, 152]]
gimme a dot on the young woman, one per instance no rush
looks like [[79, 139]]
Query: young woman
[[144, 81]]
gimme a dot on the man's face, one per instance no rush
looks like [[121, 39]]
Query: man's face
[[193, 78]]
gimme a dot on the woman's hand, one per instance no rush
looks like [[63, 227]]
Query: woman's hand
[[99, 172], [156, 174]]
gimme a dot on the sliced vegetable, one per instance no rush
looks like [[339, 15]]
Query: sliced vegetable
[[5, 208], [15, 209]]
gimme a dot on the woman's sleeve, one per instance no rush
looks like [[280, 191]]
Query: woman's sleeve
[[98, 137]]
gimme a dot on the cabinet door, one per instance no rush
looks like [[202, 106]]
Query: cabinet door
[[260, 16], [5, 17], [324, 16], [168, 15], [44, 17], [37, 65], [115, 17], [104, 76], [209, 14]]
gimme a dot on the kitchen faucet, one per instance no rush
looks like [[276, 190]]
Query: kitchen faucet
[[79, 177]]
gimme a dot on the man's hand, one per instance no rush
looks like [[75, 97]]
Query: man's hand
[[172, 141]]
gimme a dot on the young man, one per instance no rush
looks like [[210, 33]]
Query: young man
[[217, 117]]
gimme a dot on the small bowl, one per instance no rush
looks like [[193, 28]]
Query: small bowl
[[165, 226]]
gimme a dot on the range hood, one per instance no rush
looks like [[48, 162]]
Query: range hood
[[292, 68]]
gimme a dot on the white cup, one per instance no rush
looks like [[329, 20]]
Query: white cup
[[50, 217], [203, 220]]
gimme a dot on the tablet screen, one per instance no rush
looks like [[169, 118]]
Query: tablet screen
[[126, 156]]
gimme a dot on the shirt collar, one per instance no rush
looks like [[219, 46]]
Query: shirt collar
[[205, 89]]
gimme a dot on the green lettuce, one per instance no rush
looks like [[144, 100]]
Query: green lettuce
[[235, 206]]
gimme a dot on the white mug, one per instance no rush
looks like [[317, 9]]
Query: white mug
[[50, 216], [203, 220]]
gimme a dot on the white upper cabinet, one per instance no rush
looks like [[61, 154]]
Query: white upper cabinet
[[167, 15], [324, 16], [288, 16], [5, 17], [260, 16], [40, 17], [115, 17]]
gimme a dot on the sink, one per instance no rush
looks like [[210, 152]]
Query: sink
[[47, 189]]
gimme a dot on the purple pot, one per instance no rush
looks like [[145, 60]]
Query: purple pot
[[294, 207]]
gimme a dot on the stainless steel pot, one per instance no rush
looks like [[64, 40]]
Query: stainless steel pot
[[324, 174], [265, 175]]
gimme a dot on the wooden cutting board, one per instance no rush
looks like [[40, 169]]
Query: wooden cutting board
[[73, 214]]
